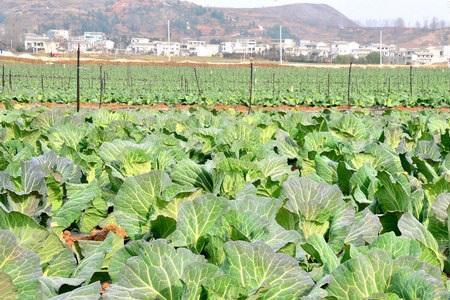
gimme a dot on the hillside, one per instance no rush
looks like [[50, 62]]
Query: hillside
[[122, 19]]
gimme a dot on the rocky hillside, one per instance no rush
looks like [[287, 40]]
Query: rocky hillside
[[122, 19]]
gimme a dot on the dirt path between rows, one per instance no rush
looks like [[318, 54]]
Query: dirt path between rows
[[221, 107], [187, 62]]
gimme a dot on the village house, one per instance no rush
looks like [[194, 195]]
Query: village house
[[309, 49], [73, 43], [141, 46], [92, 42], [40, 43], [208, 50], [240, 46], [191, 47], [362, 52], [58, 34], [168, 49], [343, 48], [198, 48]]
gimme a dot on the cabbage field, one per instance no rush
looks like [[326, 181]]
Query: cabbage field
[[269, 86], [205, 204]]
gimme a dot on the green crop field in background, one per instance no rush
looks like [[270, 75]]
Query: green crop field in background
[[226, 85]]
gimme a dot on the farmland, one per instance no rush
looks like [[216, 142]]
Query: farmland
[[205, 204], [227, 85]]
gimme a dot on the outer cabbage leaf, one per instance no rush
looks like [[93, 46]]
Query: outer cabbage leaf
[[263, 274], [19, 268], [135, 203]]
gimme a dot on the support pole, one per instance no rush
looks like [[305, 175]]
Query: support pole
[[328, 85], [349, 87], [197, 82], [168, 39], [273, 86], [411, 81], [78, 78], [250, 99], [3, 78], [381, 47], [101, 87], [281, 45], [10, 80]]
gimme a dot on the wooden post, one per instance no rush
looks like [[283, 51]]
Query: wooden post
[[42, 83], [389, 85], [3, 78], [10, 80], [273, 86], [105, 76], [349, 87], [411, 81], [197, 82], [101, 87], [78, 78], [328, 86], [129, 83], [250, 89]]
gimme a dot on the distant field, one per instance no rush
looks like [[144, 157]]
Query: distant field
[[203, 84]]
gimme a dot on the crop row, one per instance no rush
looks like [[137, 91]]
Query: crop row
[[271, 86], [221, 205]]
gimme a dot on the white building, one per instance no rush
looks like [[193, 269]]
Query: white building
[[141, 46], [227, 47], [73, 43], [362, 52], [104, 46], [90, 41], [191, 47], [58, 34], [198, 48], [386, 50], [310, 48], [166, 49], [428, 56], [240, 46], [93, 39], [208, 50], [245, 46], [446, 51], [287, 44], [40, 43], [344, 48], [94, 36]]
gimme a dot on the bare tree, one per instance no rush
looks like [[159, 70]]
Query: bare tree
[[434, 23], [14, 30], [399, 23]]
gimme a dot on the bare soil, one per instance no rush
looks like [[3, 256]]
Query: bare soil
[[95, 235], [181, 62]]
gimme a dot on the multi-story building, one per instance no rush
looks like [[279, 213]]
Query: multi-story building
[[141, 46], [198, 48], [40, 43], [240, 46], [72, 44], [58, 34], [343, 48], [90, 41], [167, 49]]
